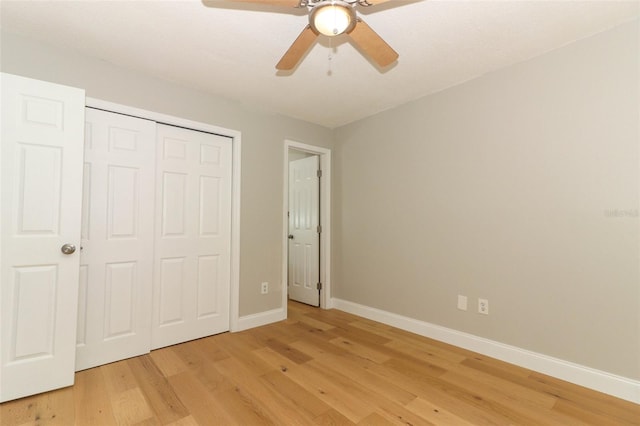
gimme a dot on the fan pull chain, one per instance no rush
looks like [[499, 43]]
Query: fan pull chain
[[330, 58]]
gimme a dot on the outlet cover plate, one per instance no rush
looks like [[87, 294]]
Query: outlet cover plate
[[483, 306], [462, 302]]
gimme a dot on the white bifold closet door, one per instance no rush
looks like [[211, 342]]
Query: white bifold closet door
[[116, 262], [156, 229], [193, 236]]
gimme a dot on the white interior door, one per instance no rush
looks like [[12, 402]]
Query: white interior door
[[304, 239], [116, 262], [41, 183], [193, 236]]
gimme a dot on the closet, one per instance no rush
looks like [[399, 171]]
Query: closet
[[114, 242]]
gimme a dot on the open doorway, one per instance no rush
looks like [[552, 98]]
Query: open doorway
[[306, 224]]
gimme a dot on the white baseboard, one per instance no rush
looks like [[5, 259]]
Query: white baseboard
[[261, 318], [330, 303], [618, 386]]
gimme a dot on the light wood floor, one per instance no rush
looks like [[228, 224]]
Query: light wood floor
[[317, 368]]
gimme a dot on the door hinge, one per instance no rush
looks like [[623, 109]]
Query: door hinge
[[319, 229], [319, 286], [319, 174]]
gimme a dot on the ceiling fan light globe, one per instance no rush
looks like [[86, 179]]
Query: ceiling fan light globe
[[332, 18]]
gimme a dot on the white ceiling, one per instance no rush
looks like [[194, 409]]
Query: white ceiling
[[230, 49]]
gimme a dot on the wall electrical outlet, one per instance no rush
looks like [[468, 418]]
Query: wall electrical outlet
[[264, 288], [462, 302], [483, 306]]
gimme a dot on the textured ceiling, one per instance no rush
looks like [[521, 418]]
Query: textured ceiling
[[230, 49]]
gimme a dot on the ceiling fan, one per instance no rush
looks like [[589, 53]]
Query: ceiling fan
[[332, 18]]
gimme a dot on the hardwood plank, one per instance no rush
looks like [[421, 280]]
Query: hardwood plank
[[206, 408], [377, 419], [287, 351], [406, 336], [258, 395], [130, 407], [332, 418], [357, 371], [337, 319], [499, 365], [295, 395], [538, 408], [586, 416], [594, 402], [496, 367], [310, 331], [363, 337], [241, 407], [466, 405], [118, 377], [341, 398], [192, 354], [313, 323], [186, 421], [212, 347], [415, 367], [471, 378], [434, 355], [50, 408], [213, 380], [168, 362], [486, 401], [281, 331], [390, 410], [151, 421], [586, 399], [161, 397], [321, 342], [93, 405], [241, 346], [360, 350], [436, 414]]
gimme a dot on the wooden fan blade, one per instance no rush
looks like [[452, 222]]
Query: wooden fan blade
[[372, 44], [374, 2], [285, 3], [297, 49]]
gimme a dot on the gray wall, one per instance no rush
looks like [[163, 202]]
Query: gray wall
[[263, 138], [522, 187]]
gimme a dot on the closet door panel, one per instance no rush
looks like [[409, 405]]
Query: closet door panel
[[193, 236], [117, 238]]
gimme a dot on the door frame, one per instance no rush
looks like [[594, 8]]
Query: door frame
[[325, 220], [236, 144]]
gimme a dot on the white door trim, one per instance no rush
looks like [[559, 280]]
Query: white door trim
[[325, 220], [235, 184]]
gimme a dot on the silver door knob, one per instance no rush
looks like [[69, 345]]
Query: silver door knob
[[68, 248]]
